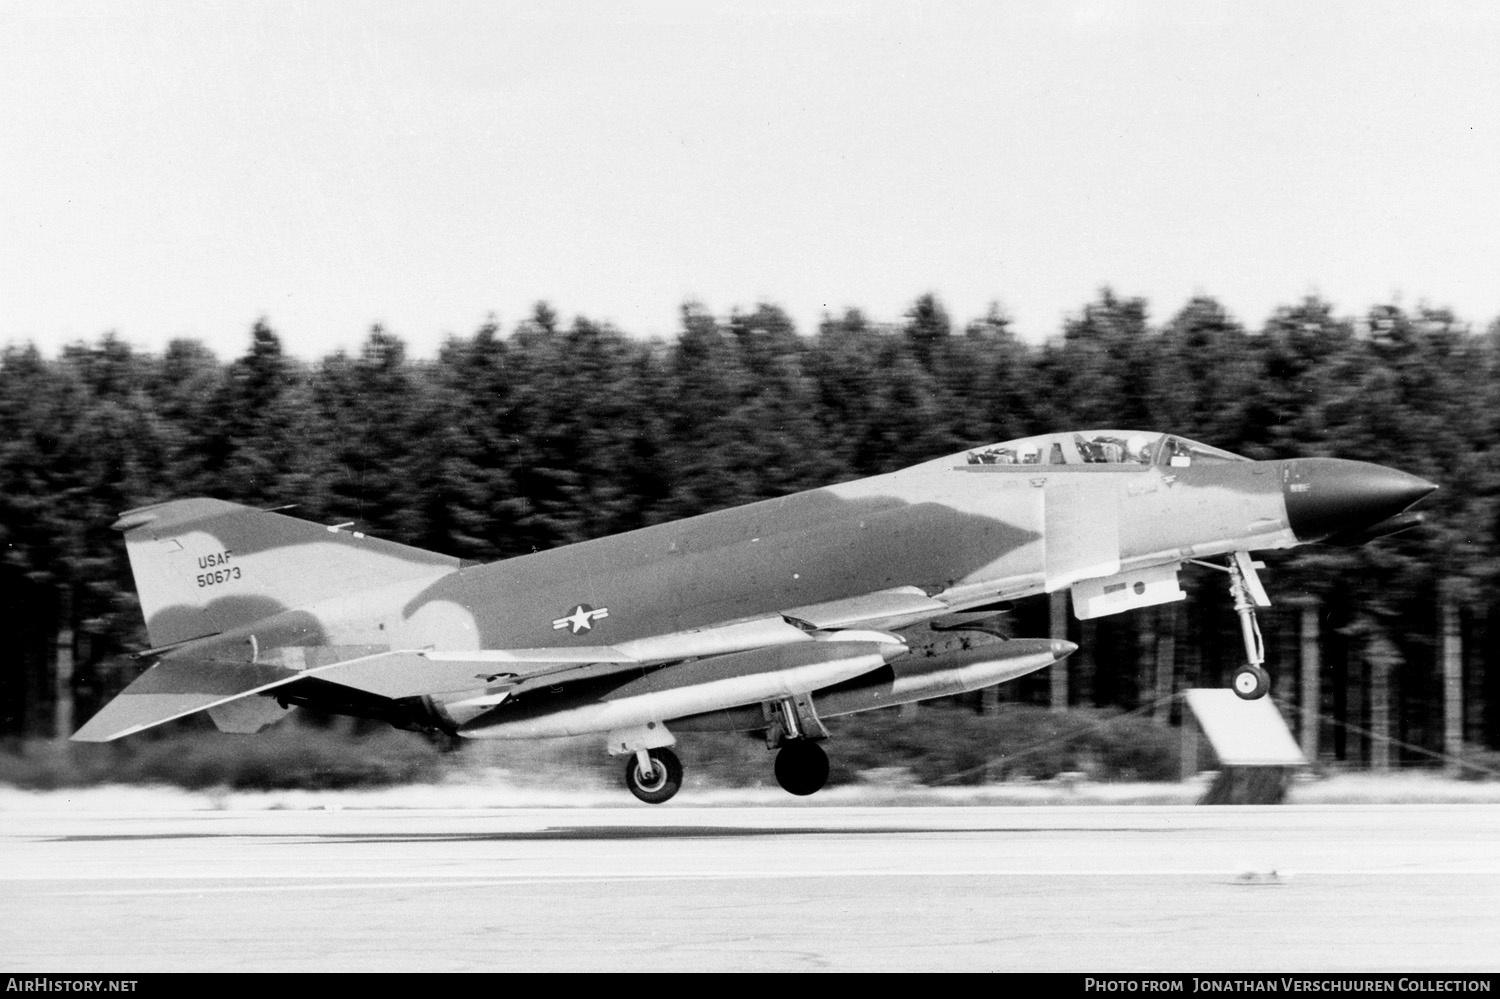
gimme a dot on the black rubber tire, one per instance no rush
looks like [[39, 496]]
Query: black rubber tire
[[661, 784], [801, 767], [1251, 683]]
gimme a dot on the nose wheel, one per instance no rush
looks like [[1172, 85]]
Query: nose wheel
[[1251, 682]]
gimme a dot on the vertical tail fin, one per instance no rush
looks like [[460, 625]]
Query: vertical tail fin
[[206, 566]]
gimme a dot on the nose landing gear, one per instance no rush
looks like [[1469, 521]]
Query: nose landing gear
[[1251, 681]]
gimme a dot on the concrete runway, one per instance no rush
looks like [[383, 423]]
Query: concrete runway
[[1155, 889]]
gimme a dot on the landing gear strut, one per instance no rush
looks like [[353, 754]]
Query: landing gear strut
[[653, 775], [794, 732], [1251, 681]]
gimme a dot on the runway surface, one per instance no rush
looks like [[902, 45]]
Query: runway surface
[[1156, 889]]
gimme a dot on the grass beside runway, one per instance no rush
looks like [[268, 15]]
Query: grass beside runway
[[484, 787], [937, 755]]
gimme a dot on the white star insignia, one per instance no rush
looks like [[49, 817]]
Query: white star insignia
[[582, 618]]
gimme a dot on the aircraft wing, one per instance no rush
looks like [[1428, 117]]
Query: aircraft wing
[[176, 687], [418, 673], [892, 608]]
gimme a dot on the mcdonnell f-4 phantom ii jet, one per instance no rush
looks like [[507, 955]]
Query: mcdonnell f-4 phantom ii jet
[[771, 616]]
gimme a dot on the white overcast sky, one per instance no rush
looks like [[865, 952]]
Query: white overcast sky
[[179, 169]]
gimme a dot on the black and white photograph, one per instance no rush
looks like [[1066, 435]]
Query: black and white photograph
[[829, 486]]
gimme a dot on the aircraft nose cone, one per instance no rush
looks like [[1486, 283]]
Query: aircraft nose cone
[[1328, 496], [1061, 649]]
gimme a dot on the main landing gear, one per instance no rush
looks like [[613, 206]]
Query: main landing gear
[[794, 732], [653, 775], [801, 767]]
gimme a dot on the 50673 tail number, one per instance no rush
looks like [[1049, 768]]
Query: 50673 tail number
[[219, 576], [227, 573]]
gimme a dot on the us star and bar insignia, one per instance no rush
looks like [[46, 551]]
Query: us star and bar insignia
[[581, 619]]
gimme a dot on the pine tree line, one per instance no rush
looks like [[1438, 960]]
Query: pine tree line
[[516, 441]]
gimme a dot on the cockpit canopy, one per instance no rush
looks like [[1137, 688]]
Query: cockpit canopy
[[1102, 447]]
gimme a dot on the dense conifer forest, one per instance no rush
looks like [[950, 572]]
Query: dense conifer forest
[[553, 431]]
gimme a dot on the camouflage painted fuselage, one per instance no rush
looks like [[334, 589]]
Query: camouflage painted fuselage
[[257, 603]]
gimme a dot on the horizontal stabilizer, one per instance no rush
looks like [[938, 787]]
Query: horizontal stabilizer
[[177, 687], [174, 688]]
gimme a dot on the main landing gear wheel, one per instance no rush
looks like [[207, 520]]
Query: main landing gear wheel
[[661, 783], [1251, 682], [801, 767]]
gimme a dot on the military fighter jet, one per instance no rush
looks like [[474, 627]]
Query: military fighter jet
[[767, 617]]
